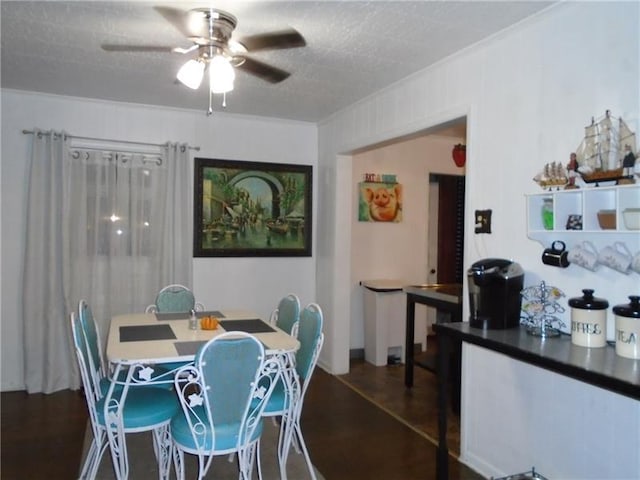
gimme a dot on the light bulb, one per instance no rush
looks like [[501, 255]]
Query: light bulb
[[191, 73], [221, 75]]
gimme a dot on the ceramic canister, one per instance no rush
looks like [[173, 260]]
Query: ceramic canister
[[588, 320], [628, 328]]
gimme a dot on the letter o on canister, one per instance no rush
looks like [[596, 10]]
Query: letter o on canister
[[588, 320]]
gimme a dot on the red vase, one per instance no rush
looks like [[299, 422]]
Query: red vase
[[459, 155]]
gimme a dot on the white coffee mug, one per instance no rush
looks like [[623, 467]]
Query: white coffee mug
[[616, 256], [635, 263], [585, 255]]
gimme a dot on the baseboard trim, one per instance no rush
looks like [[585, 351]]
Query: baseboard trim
[[358, 353]]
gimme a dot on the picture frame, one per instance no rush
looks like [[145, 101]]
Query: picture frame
[[252, 209], [380, 202]]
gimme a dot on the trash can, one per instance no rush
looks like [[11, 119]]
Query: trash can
[[384, 321]]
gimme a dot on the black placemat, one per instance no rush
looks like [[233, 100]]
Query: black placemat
[[185, 315], [189, 348], [253, 325], [141, 333]]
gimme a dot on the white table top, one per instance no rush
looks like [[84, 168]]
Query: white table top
[[164, 351]]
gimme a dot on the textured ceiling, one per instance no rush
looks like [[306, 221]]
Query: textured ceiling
[[353, 49]]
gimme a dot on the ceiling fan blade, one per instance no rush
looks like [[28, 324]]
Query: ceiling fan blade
[[136, 48], [266, 72], [195, 24], [178, 18], [273, 41]]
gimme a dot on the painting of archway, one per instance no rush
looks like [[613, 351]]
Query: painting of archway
[[252, 209]]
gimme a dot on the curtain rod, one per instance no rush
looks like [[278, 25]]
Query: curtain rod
[[31, 132]]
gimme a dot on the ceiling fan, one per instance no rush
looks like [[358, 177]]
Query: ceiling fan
[[210, 31]]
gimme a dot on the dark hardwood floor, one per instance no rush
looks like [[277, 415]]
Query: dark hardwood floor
[[41, 435], [417, 407], [349, 437]]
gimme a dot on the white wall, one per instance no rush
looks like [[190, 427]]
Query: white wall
[[565, 428], [396, 250], [254, 283], [527, 94]]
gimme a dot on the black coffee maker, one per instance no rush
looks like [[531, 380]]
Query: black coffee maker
[[494, 293]]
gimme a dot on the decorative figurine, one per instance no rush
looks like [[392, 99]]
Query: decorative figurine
[[602, 151], [572, 172], [553, 175], [628, 165]]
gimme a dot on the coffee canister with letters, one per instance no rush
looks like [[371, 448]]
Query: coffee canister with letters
[[588, 320], [628, 328]]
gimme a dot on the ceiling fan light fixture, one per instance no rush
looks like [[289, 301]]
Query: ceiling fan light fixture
[[221, 75], [191, 73]]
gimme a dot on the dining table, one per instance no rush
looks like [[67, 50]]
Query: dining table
[[165, 338], [151, 348]]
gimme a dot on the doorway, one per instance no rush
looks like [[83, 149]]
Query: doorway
[[397, 250], [446, 233], [450, 231]]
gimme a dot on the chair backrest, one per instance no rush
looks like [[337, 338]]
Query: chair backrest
[[287, 314], [311, 338], [175, 298], [93, 346], [229, 374], [82, 356]]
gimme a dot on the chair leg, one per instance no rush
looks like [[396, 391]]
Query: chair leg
[[285, 439], [118, 447], [163, 447], [94, 456], [178, 462], [258, 460], [303, 446], [246, 459]]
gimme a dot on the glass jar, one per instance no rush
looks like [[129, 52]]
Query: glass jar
[[193, 320], [547, 213]]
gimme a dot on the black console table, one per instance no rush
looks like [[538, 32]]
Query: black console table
[[596, 366], [443, 297]]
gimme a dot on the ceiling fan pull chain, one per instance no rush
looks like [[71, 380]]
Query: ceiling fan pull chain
[[210, 110], [224, 99]]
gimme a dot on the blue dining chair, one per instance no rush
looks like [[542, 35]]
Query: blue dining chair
[[99, 370], [287, 313], [222, 397], [174, 298], [95, 362], [121, 410], [287, 398]]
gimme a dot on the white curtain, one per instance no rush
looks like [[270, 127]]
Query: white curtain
[[127, 230], [178, 211], [47, 349]]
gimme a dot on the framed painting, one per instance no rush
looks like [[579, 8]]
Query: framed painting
[[380, 202], [251, 209]]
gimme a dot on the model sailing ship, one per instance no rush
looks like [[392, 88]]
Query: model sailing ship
[[607, 152], [553, 175]]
